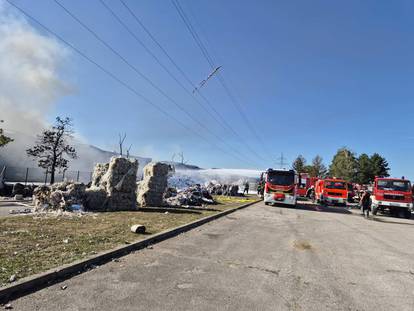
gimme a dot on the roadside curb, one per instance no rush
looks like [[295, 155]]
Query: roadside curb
[[36, 282]]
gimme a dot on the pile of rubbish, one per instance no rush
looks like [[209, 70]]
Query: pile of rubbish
[[218, 189], [113, 188], [192, 196], [150, 190], [59, 196]]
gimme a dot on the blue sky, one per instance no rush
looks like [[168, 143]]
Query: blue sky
[[312, 76]]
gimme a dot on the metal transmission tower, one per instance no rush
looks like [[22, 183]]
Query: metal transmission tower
[[281, 161]]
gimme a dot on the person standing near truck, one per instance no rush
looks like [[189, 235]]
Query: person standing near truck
[[246, 188], [365, 203]]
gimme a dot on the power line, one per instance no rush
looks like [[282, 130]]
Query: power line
[[209, 59], [135, 69], [142, 44], [138, 20], [114, 77]]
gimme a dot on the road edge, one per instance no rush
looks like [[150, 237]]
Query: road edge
[[39, 281]]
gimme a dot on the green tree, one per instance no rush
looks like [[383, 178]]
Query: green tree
[[299, 164], [364, 169], [344, 165], [52, 147], [379, 166], [4, 140], [317, 169]]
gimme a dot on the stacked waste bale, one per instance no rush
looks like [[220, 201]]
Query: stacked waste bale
[[59, 196], [151, 189], [98, 172], [114, 185]]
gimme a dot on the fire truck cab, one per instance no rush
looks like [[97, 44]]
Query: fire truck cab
[[331, 191], [392, 194], [280, 187]]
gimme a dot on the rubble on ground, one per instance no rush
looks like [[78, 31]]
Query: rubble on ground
[[192, 196], [151, 189]]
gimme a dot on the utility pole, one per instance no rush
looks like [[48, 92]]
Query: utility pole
[[281, 161]]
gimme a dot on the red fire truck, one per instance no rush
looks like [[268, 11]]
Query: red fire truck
[[392, 194], [280, 187], [305, 182], [331, 191]]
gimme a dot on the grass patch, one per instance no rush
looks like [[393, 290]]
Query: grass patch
[[222, 199], [33, 244]]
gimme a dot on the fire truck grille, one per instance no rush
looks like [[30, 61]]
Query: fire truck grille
[[393, 197], [335, 193]]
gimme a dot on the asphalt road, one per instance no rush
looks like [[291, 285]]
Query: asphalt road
[[259, 258]]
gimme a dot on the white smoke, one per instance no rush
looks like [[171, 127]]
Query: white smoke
[[30, 83]]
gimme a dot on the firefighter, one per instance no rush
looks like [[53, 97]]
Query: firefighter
[[310, 193], [365, 203], [246, 188]]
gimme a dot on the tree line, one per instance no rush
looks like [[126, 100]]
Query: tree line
[[346, 165]]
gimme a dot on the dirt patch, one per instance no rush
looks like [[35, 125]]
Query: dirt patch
[[302, 245]]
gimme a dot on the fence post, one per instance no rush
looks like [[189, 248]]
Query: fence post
[[27, 173], [91, 176], [46, 177], [77, 177], [63, 176]]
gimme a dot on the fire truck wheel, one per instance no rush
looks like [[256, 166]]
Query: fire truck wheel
[[407, 214], [401, 213], [266, 203]]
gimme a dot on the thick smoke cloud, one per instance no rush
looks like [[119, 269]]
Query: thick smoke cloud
[[30, 83]]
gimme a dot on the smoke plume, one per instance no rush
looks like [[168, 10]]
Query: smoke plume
[[30, 83]]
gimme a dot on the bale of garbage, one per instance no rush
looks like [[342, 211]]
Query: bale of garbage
[[192, 196], [113, 188], [96, 199], [151, 189], [99, 171], [59, 196], [118, 179]]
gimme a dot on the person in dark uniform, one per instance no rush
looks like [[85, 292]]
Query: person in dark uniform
[[365, 203], [246, 188]]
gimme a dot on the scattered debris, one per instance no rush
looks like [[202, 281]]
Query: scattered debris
[[225, 189], [192, 196], [66, 241], [12, 278], [138, 229], [24, 211], [63, 287], [8, 306], [151, 189]]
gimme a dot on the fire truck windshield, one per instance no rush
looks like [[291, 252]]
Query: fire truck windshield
[[281, 178], [393, 185], [335, 185]]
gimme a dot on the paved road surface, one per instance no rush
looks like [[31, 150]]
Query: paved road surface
[[259, 258]]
